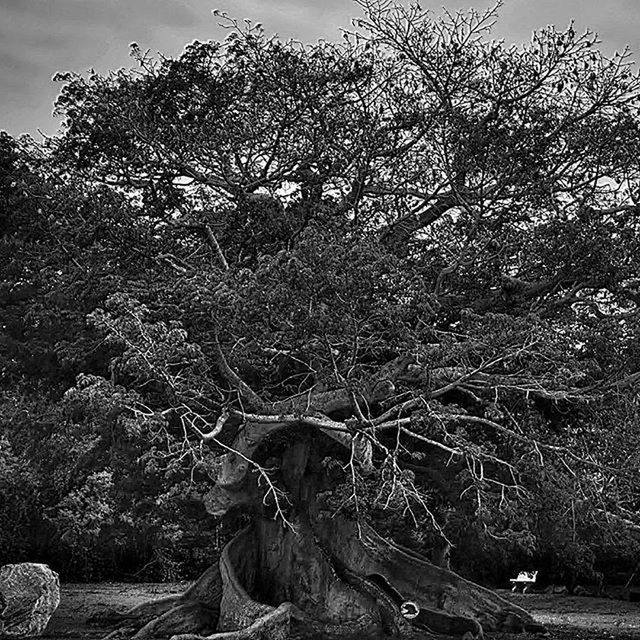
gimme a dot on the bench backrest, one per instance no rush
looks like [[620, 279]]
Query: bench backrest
[[528, 576]]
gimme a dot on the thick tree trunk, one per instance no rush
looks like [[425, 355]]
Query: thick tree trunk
[[326, 580], [323, 577]]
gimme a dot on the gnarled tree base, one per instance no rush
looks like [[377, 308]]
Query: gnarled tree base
[[328, 579]]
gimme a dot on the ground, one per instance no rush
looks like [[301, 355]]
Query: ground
[[567, 617]]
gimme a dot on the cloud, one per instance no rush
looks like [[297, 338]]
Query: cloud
[[40, 37], [304, 20], [617, 22]]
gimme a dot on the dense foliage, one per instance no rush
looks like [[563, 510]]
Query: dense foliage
[[420, 238], [83, 485]]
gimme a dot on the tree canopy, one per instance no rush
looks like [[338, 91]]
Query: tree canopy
[[417, 247]]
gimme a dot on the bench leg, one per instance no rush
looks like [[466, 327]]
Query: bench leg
[[515, 587], [524, 589]]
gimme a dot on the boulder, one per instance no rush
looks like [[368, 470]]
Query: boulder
[[29, 594]]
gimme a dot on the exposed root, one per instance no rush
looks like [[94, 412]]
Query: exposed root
[[323, 580], [436, 590], [275, 625], [195, 611], [186, 618]]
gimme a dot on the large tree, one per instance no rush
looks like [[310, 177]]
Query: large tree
[[384, 283]]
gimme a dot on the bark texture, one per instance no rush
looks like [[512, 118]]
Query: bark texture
[[325, 579], [320, 575]]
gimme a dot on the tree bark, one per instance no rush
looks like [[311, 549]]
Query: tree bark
[[324, 579], [323, 576]]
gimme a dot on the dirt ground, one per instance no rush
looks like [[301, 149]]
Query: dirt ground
[[578, 618], [566, 617], [78, 602]]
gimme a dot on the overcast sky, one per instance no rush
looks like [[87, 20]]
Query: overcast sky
[[40, 37]]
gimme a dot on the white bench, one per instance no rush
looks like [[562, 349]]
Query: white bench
[[525, 578]]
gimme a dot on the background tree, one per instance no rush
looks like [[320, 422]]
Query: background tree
[[81, 488], [395, 276]]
